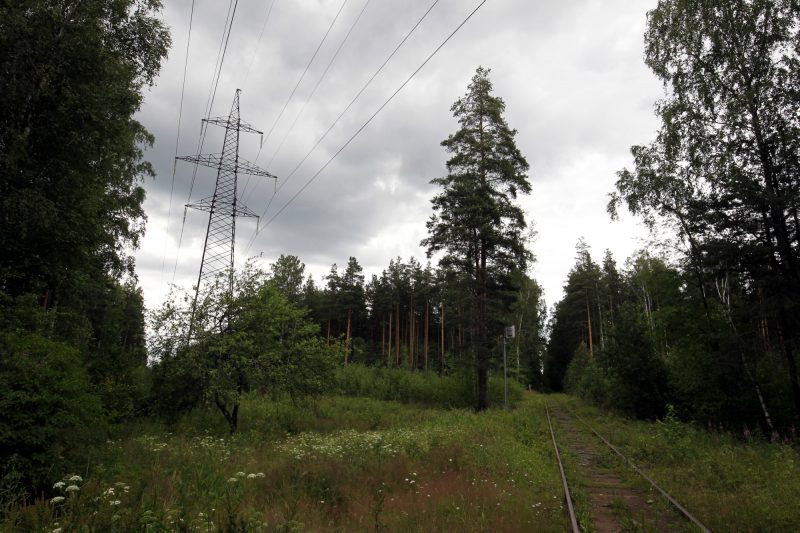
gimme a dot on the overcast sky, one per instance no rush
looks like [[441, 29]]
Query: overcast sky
[[571, 73]]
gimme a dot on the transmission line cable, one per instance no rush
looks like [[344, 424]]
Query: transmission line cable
[[319, 81], [291, 95], [308, 99], [226, 34], [347, 108], [365, 124], [177, 137], [258, 43]]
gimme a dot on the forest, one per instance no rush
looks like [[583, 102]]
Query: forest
[[343, 389]]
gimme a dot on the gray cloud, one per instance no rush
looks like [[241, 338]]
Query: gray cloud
[[571, 74]]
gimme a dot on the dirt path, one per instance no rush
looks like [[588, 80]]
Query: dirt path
[[613, 503]]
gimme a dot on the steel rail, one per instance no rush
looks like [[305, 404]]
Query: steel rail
[[664, 493], [567, 494]]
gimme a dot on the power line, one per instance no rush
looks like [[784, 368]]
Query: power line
[[319, 81], [347, 108], [291, 95], [178, 136], [359, 130], [226, 34], [258, 42], [308, 99]]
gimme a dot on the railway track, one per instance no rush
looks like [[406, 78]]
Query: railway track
[[613, 504]]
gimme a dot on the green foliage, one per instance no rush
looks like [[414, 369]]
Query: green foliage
[[286, 274], [349, 462], [49, 415], [70, 150], [253, 339], [722, 171], [476, 224], [637, 376], [634, 317], [456, 390], [569, 325], [526, 350], [585, 378]]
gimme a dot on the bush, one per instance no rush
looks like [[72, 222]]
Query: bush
[[49, 417], [426, 388], [586, 379]]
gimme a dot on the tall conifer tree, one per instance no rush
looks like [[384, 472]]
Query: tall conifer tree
[[476, 224]]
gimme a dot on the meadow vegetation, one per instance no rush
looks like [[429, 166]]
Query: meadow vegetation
[[341, 463]]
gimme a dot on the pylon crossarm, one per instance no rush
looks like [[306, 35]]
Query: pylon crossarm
[[244, 211], [228, 165], [226, 123], [207, 203], [246, 167], [207, 160]]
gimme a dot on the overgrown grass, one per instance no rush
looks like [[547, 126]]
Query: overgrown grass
[[343, 464], [360, 464], [728, 483], [456, 390]]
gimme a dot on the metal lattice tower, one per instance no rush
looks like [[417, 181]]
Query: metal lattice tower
[[223, 207]]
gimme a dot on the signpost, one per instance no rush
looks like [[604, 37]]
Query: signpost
[[507, 334]]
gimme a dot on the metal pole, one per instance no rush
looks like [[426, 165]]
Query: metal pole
[[505, 376]]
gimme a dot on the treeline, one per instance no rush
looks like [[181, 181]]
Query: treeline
[[722, 173], [413, 317], [642, 338], [72, 343]]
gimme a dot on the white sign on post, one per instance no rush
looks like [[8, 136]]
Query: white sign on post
[[510, 332]]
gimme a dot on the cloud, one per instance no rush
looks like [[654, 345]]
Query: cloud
[[570, 72]]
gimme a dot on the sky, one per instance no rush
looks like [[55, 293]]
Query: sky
[[571, 73]]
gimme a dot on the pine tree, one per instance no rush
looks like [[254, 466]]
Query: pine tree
[[476, 224]]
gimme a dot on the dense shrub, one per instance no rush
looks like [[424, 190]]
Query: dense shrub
[[425, 388], [49, 415]]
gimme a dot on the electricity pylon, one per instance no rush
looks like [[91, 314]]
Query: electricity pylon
[[223, 206]]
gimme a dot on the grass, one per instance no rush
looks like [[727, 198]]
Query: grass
[[360, 464], [728, 483], [342, 464]]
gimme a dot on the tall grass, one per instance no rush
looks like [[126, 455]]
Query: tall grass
[[345, 464], [455, 390]]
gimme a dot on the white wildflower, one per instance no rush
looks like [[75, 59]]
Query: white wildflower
[[232, 480], [57, 499], [73, 488], [240, 474], [76, 479], [59, 485], [116, 502], [260, 474], [251, 476]]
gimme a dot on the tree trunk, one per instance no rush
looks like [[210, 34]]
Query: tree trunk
[[411, 334], [724, 296], [589, 319], [397, 335], [232, 416], [441, 345], [389, 346], [425, 342], [347, 337], [482, 401]]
